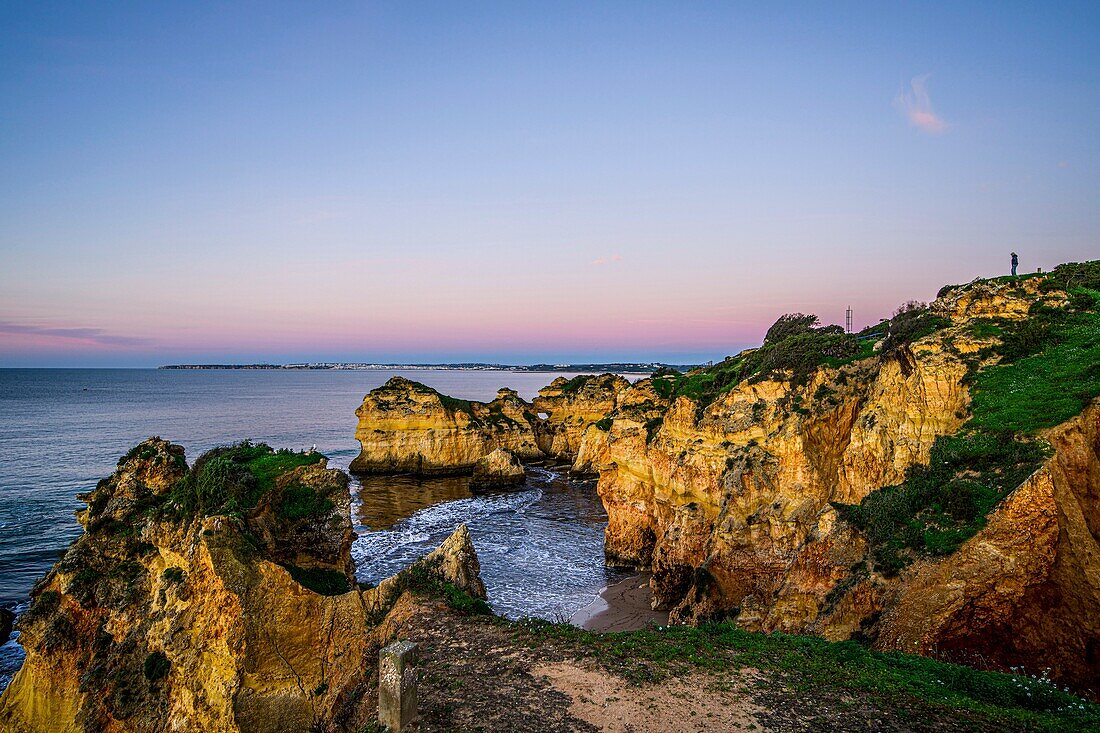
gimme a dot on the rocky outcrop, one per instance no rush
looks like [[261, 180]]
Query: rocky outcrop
[[640, 405], [160, 618], [731, 506], [1004, 299], [405, 426], [455, 562], [1026, 589], [571, 405], [720, 503], [499, 469]]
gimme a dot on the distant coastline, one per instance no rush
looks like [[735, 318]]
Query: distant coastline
[[615, 367]]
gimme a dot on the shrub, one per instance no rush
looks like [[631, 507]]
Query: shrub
[[1073, 275], [789, 325], [320, 580], [943, 504], [233, 478], [911, 322], [576, 383], [303, 502]]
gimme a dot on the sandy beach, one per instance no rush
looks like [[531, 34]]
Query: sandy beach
[[622, 606]]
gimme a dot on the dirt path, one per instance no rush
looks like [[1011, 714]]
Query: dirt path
[[475, 676]]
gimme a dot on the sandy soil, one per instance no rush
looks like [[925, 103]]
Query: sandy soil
[[623, 606], [477, 673], [693, 704]]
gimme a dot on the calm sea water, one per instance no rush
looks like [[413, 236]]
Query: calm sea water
[[62, 430]]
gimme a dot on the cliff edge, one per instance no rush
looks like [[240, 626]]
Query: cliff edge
[[217, 597]]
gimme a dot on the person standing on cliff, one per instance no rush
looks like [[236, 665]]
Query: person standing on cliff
[[1015, 262]]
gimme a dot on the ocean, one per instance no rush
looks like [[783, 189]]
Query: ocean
[[61, 430]]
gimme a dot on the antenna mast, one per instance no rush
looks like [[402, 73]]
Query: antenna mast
[[848, 320]]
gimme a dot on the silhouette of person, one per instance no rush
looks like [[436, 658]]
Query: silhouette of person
[[1015, 262]]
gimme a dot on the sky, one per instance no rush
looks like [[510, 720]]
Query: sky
[[522, 182]]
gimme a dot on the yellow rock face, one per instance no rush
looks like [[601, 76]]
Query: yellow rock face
[[158, 624], [571, 406], [407, 427], [994, 299], [730, 506], [1024, 591]]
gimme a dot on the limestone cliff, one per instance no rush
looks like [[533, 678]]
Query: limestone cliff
[[249, 619], [405, 426], [1027, 587], [732, 500], [571, 405]]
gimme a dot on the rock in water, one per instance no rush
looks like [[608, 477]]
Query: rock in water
[[454, 562], [7, 618], [407, 427], [499, 469]]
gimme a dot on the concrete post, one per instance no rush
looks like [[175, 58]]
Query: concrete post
[[397, 686]]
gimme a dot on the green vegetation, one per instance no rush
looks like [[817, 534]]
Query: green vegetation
[[793, 348], [604, 424], [233, 478], [651, 428], [1071, 276], [809, 664], [422, 578], [453, 404], [576, 383], [156, 666], [1050, 370], [665, 385], [303, 502], [943, 504], [911, 322], [320, 580]]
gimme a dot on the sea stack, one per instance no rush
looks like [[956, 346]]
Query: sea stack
[[407, 427], [499, 469]]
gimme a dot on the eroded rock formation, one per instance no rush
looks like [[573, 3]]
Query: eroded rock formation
[[251, 620], [571, 405], [1027, 587], [501, 468], [405, 426], [731, 505]]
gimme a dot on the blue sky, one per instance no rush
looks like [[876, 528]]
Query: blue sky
[[522, 182]]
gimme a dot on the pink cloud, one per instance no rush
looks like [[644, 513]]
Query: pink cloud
[[600, 261], [917, 107]]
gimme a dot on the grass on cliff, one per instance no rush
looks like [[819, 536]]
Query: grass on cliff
[[320, 580], [233, 478], [794, 347], [808, 664], [1048, 370], [941, 505]]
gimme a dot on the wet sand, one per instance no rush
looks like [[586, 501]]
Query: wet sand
[[622, 606]]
